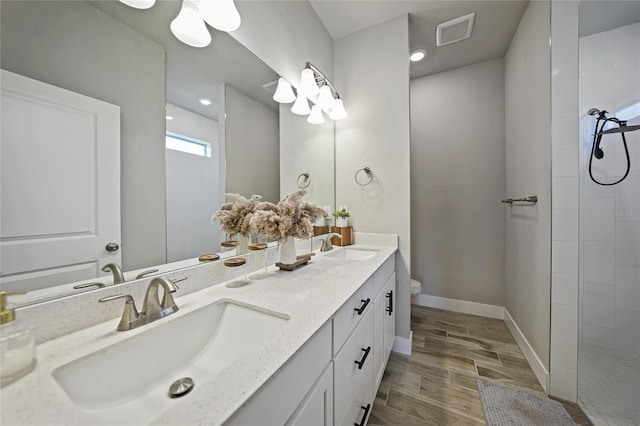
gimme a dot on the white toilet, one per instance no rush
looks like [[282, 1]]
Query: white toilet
[[416, 289]]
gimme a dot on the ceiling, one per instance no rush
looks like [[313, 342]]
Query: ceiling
[[495, 24], [597, 16], [194, 73]]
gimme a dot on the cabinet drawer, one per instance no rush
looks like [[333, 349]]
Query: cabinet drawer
[[350, 314], [362, 402], [381, 276], [353, 365]]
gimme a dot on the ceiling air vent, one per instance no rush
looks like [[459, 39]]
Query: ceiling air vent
[[455, 30]]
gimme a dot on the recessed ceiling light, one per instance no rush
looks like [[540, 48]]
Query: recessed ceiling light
[[417, 55], [205, 101], [168, 117]]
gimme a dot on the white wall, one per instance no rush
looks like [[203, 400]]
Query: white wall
[[71, 45], [251, 144], [564, 232], [285, 35], [457, 182], [610, 215], [193, 189], [372, 74], [528, 172], [306, 148]]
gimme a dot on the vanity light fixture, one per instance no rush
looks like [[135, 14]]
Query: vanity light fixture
[[220, 14], [205, 101], [417, 55], [139, 4], [188, 26], [301, 106], [308, 84], [325, 97], [316, 116], [284, 93]]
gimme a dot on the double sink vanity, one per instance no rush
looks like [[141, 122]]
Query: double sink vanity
[[304, 347]]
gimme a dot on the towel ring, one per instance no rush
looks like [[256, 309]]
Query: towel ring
[[307, 178], [369, 173]]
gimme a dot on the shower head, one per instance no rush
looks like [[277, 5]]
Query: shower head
[[593, 111], [620, 129]]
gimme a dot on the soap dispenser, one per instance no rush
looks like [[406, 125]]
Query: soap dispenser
[[17, 344]]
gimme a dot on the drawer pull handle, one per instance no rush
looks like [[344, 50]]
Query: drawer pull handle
[[361, 309], [390, 307], [364, 357], [366, 412]]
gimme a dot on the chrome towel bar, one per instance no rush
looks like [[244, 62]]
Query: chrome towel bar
[[531, 199]]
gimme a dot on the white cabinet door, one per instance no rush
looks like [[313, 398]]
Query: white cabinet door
[[60, 184], [379, 313], [317, 408]]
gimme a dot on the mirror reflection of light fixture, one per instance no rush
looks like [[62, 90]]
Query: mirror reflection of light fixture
[[316, 116], [220, 14], [189, 28], [301, 106], [139, 4], [325, 98], [284, 93]]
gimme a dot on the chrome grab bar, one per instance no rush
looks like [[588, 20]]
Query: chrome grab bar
[[531, 199]]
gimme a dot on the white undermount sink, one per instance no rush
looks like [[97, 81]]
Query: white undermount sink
[[352, 253], [128, 382]]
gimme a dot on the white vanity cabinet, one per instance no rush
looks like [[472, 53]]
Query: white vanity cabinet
[[334, 377]]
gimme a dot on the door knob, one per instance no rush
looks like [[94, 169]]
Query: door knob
[[112, 247]]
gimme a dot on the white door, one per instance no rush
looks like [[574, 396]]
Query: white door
[[60, 183]]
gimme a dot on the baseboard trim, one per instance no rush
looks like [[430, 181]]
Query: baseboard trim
[[402, 345], [532, 358], [462, 306]]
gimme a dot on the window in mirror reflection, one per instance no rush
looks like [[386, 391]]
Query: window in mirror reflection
[[189, 145]]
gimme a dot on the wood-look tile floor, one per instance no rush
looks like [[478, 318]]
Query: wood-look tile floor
[[436, 385]]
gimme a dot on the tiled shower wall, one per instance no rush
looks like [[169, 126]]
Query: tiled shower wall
[[610, 215]]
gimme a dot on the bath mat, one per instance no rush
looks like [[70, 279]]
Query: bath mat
[[507, 406]]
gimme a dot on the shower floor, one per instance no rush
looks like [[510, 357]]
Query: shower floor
[[609, 385]]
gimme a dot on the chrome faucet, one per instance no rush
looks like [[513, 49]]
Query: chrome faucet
[[152, 308], [326, 243], [118, 276]]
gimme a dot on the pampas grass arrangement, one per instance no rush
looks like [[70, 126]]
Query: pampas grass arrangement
[[291, 217], [235, 215]]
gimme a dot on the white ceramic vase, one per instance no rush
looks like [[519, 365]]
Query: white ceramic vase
[[342, 222], [243, 247], [288, 251]]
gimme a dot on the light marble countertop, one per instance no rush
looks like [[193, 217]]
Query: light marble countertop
[[310, 296]]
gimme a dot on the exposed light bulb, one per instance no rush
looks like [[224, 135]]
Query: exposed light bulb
[[220, 14], [139, 4], [325, 98], [284, 93], [338, 112], [301, 106], [189, 28], [316, 116], [308, 84]]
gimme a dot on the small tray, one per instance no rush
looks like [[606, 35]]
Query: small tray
[[302, 260]]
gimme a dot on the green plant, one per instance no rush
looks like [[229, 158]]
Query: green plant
[[341, 213]]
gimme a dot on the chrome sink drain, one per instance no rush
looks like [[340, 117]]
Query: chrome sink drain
[[181, 387]]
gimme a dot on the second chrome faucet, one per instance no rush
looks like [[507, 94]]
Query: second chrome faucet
[[152, 308]]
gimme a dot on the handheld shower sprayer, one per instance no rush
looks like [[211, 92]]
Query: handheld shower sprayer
[[597, 151]]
